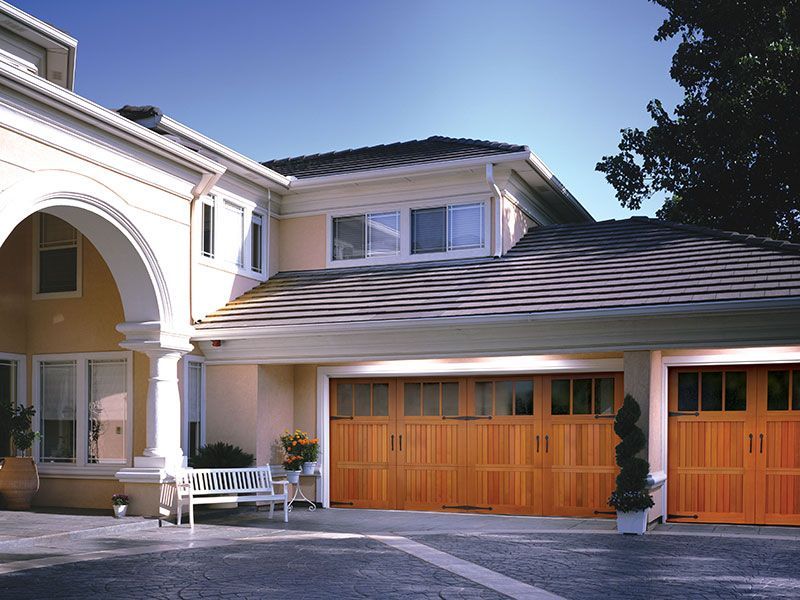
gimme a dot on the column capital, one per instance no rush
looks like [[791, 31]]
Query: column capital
[[151, 338]]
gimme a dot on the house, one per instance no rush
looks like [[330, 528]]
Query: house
[[442, 313]]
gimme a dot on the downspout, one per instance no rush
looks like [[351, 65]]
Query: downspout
[[269, 229], [205, 185], [497, 249]]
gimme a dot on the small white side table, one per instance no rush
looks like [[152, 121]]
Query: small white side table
[[298, 494]]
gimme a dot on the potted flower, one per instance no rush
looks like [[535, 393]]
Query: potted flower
[[630, 498], [120, 504], [292, 464], [19, 477], [309, 450]]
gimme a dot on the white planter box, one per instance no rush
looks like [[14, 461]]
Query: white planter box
[[632, 522]]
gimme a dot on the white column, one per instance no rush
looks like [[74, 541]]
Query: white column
[[163, 409]]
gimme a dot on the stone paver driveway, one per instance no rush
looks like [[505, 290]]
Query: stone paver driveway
[[372, 554]]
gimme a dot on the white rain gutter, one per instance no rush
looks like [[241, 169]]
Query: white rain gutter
[[269, 230], [497, 249], [205, 185]]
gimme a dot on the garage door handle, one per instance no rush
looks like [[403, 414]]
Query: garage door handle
[[761, 443], [401, 443], [537, 444], [392, 437], [547, 443], [751, 443]]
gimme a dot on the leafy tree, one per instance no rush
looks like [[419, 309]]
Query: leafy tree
[[729, 156]]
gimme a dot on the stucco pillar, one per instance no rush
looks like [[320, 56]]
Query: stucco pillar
[[642, 372], [149, 481]]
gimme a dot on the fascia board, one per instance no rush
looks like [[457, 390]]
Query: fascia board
[[62, 99], [405, 171], [746, 306], [39, 26], [172, 126], [556, 185]]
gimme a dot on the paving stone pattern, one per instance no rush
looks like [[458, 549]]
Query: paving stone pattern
[[350, 568], [627, 567]]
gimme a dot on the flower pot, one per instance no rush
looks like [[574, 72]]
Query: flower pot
[[120, 510], [293, 476], [634, 522], [19, 481], [309, 468]]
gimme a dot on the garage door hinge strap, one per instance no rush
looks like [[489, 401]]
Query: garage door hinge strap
[[683, 517], [674, 413], [467, 418], [467, 507]]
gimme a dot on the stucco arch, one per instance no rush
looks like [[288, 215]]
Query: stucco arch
[[103, 217]]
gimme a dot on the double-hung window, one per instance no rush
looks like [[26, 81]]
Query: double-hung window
[[447, 228], [366, 235], [233, 235], [194, 406], [57, 260], [83, 409]]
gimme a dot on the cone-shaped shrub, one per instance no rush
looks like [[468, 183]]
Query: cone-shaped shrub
[[631, 493]]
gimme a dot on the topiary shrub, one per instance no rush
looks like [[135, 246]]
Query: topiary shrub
[[631, 492], [221, 455]]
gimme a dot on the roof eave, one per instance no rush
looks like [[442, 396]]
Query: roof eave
[[366, 175], [170, 125], [276, 331], [38, 88], [559, 188]]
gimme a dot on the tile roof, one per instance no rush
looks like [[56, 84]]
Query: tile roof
[[433, 149], [638, 262]]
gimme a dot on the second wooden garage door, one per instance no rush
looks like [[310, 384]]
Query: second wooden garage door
[[521, 445]]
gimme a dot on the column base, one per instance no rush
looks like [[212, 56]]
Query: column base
[[150, 484]]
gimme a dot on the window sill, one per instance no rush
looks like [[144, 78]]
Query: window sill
[[55, 471], [56, 295], [400, 259]]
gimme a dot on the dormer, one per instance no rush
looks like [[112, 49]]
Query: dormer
[[36, 47]]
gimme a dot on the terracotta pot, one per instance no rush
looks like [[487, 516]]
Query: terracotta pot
[[19, 481]]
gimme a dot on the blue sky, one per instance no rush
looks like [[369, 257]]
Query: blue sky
[[276, 79]]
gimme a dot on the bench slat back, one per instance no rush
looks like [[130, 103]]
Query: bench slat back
[[228, 481]]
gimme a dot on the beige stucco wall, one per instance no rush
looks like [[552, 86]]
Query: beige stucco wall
[[515, 224], [275, 411], [302, 243], [77, 493], [231, 405]]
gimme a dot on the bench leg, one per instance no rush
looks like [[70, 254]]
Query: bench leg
[[191, 515], [178, 511], [286, 508], [271, 509]]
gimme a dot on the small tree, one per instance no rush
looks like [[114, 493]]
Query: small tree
[[221, 455], [631, 493], [15, 426]]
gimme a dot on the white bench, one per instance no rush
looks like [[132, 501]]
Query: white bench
[[216, 486]]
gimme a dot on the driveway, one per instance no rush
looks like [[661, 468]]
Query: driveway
[[384, 554]]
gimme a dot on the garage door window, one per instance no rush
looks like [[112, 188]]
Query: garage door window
[[712, 391], [504, 398], [582, 396], [783, 390], [362, 399], [430, 399]]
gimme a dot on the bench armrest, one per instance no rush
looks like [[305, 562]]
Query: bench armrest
[[282, 482]]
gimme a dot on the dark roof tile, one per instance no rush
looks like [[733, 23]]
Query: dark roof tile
[[433, 149], [637, 262]]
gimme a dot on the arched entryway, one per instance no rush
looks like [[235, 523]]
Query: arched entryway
[[118, 232]]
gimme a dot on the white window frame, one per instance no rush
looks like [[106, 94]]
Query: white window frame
[[217, 201], [36, 294], [82, 467], [405, 255], [187, 360], [366, 215], [22, 379]]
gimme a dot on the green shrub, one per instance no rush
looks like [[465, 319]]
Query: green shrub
[[15, 426], [221, 455], [631, 492]]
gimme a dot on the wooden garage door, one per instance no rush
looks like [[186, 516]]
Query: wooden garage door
[[734, 445], [507, 445]]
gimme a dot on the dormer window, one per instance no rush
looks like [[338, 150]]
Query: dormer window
[[447, 228], [366, 236]]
